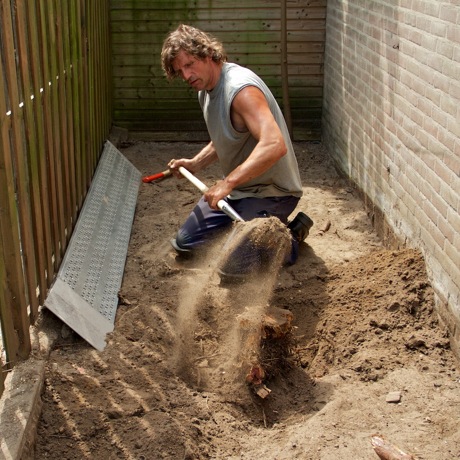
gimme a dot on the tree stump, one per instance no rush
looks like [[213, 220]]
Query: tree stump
[[266, 344]]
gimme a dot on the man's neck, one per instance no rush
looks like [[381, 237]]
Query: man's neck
[[216, 72]]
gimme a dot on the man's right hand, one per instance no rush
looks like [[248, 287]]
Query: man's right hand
[[174, 165]]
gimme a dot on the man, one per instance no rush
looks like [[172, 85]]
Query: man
[[249, 138]]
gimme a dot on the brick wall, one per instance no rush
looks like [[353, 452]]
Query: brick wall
[[391, 120]]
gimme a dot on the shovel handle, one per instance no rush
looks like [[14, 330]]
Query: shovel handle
[[161, 175], [221, 204], [193, 179]]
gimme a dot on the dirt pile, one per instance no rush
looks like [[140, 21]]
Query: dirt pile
[[378, 317]]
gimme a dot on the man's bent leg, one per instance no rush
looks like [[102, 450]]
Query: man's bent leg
[[202, 223], [250, 208], [245, 258]]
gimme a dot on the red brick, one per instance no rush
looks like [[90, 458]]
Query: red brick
[[438, 28], [414, 35], [452, 253], [451, 69], [430, 233], [451, 196], [433, 95], [438, 117], [445, 48], [448, 13], [423, 138], [448, 168], [454, 127], [453, 33], [457, 152], [453, 217], [430, 127], [441, 82], [447, 139], [449, 233], [456, 56], [450, 273], [436, 61], [454, 90], [423, 23], [417, 116], [426, 75], [409, 17]]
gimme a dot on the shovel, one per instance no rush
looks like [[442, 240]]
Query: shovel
[[221, 204]]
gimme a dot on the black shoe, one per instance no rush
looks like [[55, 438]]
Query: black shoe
[[300, 226]]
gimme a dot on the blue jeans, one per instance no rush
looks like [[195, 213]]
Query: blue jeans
[[204, 223]]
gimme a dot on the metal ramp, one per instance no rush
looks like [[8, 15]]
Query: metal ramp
[[85, 292]]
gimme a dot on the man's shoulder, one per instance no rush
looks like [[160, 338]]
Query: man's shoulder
[[238, 75], [232, 68]]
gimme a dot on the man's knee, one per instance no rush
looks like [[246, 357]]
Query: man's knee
[[181, 243], [183, 239]]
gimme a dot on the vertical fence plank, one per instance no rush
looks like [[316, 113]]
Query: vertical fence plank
[[12, 295], [104, 75], [20, 157], [61, 103], [87, 96], [32, 151], [8, 326], [67, 81], [8, 274], [77, 95], [93, 33], [50, 16], [90, 49], [49, 130], [35, 46], [108, 69], [98, 20], [104, 81]]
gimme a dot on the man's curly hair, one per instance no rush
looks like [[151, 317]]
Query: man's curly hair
[[194, 42]]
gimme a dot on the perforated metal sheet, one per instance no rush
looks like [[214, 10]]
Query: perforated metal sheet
[[91, 273]]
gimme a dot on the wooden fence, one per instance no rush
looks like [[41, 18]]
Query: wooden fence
[[252, 33], [55, 114]]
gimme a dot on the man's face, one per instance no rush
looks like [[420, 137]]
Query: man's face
[[198, 73]]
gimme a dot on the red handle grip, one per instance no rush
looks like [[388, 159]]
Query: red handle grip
[[157, 176]]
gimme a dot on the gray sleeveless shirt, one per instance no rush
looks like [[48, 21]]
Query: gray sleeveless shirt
[[233, 147]]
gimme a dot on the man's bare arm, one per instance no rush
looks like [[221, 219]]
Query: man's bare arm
[[250, 112], [201, 160]]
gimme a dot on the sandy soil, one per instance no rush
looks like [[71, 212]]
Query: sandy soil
[[170, 383]]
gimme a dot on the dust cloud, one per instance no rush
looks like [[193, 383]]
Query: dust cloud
[[230, 313]]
